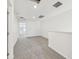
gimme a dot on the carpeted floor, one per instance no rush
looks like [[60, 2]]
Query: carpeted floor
[[34, 48]]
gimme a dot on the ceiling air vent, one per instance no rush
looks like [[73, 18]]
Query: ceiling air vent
[[57, 4], [41, 16], [37, 1]]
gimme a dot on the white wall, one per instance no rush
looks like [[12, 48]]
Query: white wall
[[33, 28], [59, 23], [61, 42]]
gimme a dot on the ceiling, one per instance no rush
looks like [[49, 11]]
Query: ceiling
[[26, 8]]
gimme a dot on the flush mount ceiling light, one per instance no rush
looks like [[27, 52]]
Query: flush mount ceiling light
[[33, 17], [35, 6]]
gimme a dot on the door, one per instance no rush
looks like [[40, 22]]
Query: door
[[22, 27]]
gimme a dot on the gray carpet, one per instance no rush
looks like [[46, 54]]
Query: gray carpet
[[34, 48]]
